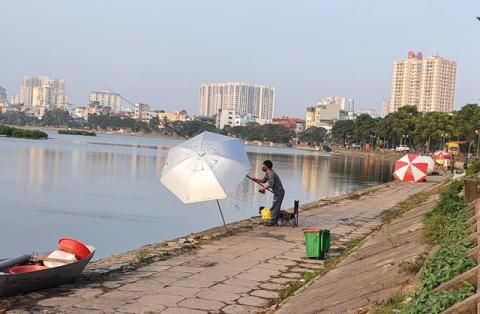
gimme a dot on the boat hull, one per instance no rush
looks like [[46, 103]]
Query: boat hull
[[43, 279]]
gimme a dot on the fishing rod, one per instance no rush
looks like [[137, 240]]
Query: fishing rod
[[165, 124], [259, 183]]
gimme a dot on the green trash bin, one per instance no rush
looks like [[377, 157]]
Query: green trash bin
[[317, 243]]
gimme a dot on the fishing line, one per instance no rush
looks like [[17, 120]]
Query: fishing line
[[244, 212]]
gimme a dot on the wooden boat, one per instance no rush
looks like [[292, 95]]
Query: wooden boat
[[42, 279]]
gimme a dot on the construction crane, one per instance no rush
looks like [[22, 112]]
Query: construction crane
[[123, 98]]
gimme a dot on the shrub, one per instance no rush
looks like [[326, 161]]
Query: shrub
[[21, 133]]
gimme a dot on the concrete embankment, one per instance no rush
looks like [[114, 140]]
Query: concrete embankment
[[248, 270], [384, 266]]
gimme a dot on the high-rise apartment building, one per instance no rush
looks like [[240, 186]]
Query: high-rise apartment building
[[106, 99], [428, 84], [385, 107], [257, 100], [40, 91], [3, 95]]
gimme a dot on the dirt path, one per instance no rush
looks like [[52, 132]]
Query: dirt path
[[239, 273]]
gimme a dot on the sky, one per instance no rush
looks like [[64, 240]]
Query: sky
[[159, 52]]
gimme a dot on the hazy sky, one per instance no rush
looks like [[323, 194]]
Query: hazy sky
[[159, 52]]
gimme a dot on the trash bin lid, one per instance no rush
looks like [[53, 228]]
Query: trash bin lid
[[312, 231]]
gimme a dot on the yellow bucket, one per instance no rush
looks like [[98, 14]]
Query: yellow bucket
[[266, 214]]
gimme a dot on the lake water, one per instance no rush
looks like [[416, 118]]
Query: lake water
[[106, 190]]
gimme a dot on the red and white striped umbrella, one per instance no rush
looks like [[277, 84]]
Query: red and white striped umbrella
[[440, 154], [411, 168]]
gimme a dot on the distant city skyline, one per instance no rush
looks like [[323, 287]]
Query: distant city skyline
[[147, 62]]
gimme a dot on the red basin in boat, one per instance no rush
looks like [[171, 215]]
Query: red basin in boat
[[26, 269], [74, 247]]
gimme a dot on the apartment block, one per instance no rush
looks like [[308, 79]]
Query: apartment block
[[257, 100], [428, 84], [106, 98]]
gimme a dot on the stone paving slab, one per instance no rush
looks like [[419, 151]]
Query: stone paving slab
[[240, 273]]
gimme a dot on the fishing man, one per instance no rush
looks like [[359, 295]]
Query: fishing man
[[272, 181]]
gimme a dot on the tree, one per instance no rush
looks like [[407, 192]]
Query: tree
[[57, 117], [364, 129], [432, 128], [468, 123], [403, 124], [342, 131], [268, 132], [154, 123], [313, 135], [13, 117], [192, 128]]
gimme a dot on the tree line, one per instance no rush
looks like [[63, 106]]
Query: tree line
[[61, 118], [423, 131]]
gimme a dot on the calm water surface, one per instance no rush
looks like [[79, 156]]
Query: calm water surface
[[106, 190]]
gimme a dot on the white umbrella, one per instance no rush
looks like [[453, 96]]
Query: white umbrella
[[206, 167]]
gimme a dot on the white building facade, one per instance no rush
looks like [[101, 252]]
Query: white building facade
[[329, 110], [106, 99], [428, 84], [3, 95], [257, 100], [42, 92], [370, 111]]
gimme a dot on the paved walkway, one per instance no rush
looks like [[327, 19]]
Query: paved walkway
[[239, 273], [373, 273]]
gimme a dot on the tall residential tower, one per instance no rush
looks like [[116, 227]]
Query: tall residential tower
[[106, 98], [40, 91], [242, 98], [428, 84]]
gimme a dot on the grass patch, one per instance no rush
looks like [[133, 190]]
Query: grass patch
[[143, 257], [354, 196], [390, 306], [446, 224], [21, 133], [413, 267], [473, 169], [445, 227], [77, 132], [411, 202]]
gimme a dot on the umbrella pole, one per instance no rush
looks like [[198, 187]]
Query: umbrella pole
[[221, 213]]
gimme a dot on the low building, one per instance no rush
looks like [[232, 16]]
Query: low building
[[227, 117], [328, 111], [298, 125], [107, 99], [180, 115], [263, 121], [370, 111], [92, 109], [142, 112], [230, 118], [81, 113]]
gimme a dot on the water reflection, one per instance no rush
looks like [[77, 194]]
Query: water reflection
[[111, 196]]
